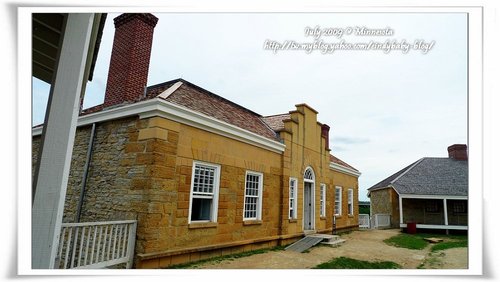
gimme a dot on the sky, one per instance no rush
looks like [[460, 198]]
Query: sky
[[385, 109]]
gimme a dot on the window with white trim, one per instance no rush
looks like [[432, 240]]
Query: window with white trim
[[253, 196], [322, 200], [292, 199], [204, 192], [338, 200], [350, 201]]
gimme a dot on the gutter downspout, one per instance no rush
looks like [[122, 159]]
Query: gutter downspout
[[85, 173]]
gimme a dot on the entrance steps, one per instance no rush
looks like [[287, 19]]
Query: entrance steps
[[311, 240]]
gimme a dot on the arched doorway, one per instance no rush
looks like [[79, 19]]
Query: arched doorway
[[308, 213]]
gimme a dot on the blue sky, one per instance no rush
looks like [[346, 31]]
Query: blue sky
[[385, 110]]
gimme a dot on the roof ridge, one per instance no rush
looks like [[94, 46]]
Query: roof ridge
[[275, 115], [410, 168], [148, 88]]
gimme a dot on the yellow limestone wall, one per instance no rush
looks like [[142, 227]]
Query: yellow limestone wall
[[172, 239], [141, 169], [345, 221], [177, 241]]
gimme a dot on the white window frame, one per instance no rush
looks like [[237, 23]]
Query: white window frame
[[350, 201], [292, 198], [214, 195], [259, 196], [338, 201], [322, 200]]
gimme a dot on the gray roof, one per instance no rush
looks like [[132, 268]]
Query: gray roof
[[429, 176]]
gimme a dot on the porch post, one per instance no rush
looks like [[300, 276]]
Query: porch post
[[57, 141], [445, 207], [400, 210]]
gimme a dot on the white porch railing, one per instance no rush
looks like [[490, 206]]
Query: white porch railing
[[382, 221], [96, 244], [364, 221]]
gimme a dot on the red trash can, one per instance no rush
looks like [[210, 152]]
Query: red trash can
[[411, 227]]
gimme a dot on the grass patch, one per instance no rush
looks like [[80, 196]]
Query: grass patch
[[449, 245], [225, 257], [407, 241], [417, 241], [349, 263]]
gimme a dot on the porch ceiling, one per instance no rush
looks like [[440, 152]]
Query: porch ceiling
[[47, 32]]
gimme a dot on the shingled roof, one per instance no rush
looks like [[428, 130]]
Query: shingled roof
[[429, 176], [338, 161], [195, 98], [200, 100], [276, 121]]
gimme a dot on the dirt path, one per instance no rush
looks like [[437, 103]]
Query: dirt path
[[448, 259], [362, 245]]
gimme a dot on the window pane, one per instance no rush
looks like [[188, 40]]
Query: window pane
[[203, 180], [291, 199], [251, 196], [338, 199], [203, 189], [201, 209], [250, 207]]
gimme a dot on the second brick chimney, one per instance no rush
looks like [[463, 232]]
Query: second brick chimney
[[129, 65], [458, 152], [325, 133]]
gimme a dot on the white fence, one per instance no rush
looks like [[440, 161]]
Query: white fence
[[382, 221], [364, 221], [96, 244], [377, 221]]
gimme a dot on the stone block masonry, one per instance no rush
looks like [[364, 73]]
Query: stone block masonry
[[138, 171], [142, 169]]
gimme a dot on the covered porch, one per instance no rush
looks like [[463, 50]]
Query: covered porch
[[434, 212]]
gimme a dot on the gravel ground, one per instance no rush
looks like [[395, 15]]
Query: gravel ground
[[362, 245]]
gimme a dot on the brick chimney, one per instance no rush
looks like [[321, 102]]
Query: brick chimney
[[325, 132], [458, 152], [129, 65]]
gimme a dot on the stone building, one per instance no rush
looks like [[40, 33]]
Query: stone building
[[202, 175], [431, 193]]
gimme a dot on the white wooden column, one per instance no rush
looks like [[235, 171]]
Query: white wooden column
[[400, 210], [445, 207], [57, 139]]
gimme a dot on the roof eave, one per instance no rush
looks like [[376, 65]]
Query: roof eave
[[381, 188], [344, 169], [427, 196], [160, 107]]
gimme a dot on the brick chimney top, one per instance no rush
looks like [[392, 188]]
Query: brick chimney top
[[325, 133], [458, 152], [124, 18], [129, 65]]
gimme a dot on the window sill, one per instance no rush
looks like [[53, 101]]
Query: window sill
[[252, 222], [322, 217], [292, 220], [351, 215], [194, 225]]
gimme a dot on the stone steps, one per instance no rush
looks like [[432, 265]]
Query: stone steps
[[331, 240], [313, 239]]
